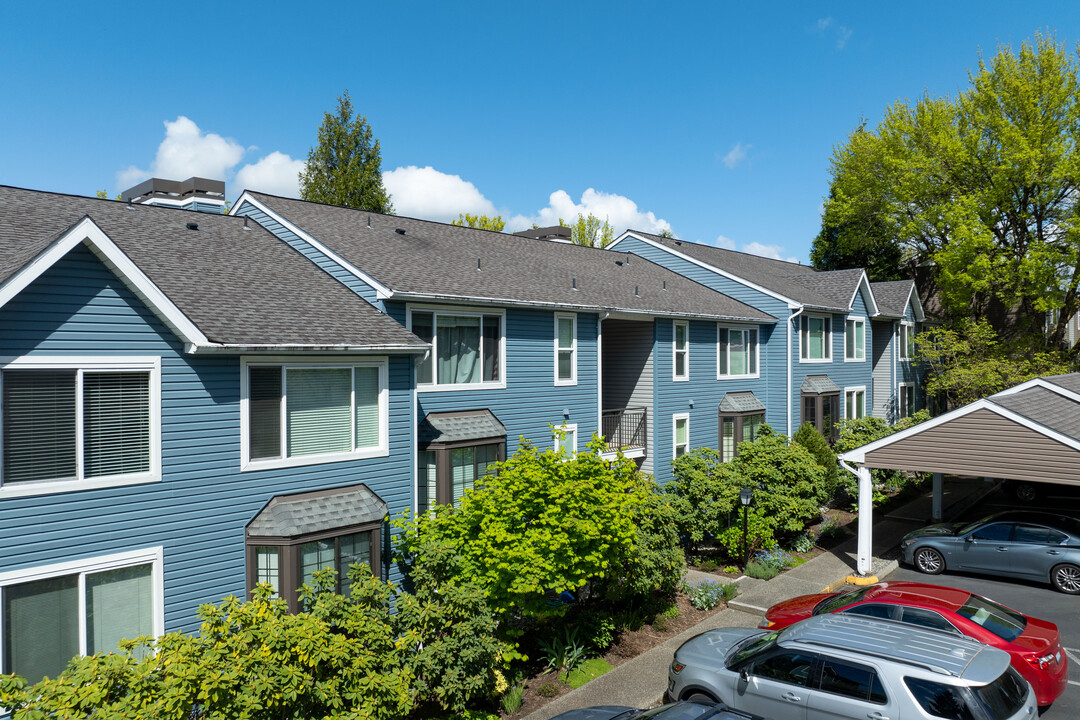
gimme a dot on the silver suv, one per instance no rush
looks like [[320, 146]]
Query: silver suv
[[836, 666]]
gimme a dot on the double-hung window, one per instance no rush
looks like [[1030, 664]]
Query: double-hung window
[[299, 413], [78, 423], [566, 438], [855, 340], [681, 434], [466, 348], [737, 352], [906, 399], [854, 402], [565, 349], [51, 614], [905, 341], [681, 351], [815, 338]]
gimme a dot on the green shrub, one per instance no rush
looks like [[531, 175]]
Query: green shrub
[[706, 564], [660, 624], [808, 436], [775, 559], [804, 542], [702, 496], [597, 629], [671, 611], [730, 569], [759, 534], [761, 572], [563, 651], [708, 594], [549, 690], [512, 698], [830, 529]]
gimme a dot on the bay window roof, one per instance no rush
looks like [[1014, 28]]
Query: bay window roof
[[287, 516]]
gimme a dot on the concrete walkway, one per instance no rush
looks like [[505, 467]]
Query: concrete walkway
[[640, 682]]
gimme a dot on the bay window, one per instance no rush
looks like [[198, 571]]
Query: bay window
[[737, 352], [815, 338], [735, 429], [821, 405], [300, 413], [466, 347], [457, 450]]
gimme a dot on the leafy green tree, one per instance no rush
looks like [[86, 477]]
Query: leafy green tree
[[590, 231], [983, 186], [494, 223], [856, 239], [702, 496], [345, 166], [808, 436], [104, 195]]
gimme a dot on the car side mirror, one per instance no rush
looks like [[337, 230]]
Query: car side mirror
[[744, 675], [969, 539]]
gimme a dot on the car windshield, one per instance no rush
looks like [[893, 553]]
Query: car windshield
[[749, 647], [998, 619], [834, 603], [1005, 696], [674, 711], [965, 529]]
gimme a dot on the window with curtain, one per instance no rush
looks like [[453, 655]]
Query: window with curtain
[[681, 435], [735, 429], [737, 352], [855, 339], [41, 619], [681, 351], [48, 434], [446, 471], [304, 411], [815, 338], [469, 465], [466, 348], [855, 403], [565, 349]]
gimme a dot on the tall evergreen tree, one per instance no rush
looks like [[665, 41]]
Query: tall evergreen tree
[[345, 166]]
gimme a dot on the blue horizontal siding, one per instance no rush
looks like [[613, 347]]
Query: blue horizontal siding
[[199, 510], [305, 248]]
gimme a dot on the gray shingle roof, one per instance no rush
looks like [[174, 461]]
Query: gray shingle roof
[[741, 402], [820, 384], [1070, 382], [892, 297], [459, 427], [446, 261], [1046, 407], [829, 290], [237, 286], [305, 513]]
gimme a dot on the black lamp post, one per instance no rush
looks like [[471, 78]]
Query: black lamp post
[[745, 496]]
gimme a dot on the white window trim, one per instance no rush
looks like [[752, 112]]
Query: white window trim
[[152, 365], [566, 427], [572, 380], [383, 448], [674, 433], [459, 311], [757, 353], [901, 345], [828, 342], [899, 393], [148, 556], [859, 321], [855, 389], [675, 351]]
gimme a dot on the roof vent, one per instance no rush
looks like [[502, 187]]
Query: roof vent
[[399, 231], [619, 263], [246, 223], [193, 226], [678, 242], [636, 294], [369, 222], [573, 283], [665, 285]]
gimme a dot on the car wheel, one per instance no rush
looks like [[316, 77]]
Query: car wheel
[[929, 561], [1026, 492], [701, 697], [1066, 579]]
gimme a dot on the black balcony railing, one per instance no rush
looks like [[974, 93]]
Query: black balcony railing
[[625, 429]]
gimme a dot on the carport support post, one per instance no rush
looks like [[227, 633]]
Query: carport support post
[[866, 509], [939, 491]]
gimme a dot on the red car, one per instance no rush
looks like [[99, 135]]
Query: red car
[[1034, 644]]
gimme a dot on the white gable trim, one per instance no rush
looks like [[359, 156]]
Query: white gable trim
[[1039, 382], [792, 304], [864, 283], [858, 455], [382, 291], [86, 230], [916, 303]]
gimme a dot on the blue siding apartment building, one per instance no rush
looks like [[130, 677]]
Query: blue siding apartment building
[[193, 403]]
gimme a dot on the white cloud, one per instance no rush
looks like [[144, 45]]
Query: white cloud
[[823, 24], [276, 174], [619, 210], [724, 242], [827, 27], [427, 193], [736, 155], [769, 251]]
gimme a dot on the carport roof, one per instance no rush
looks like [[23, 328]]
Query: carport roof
[[1028, 432]]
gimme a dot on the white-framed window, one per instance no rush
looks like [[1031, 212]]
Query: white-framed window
[[680, 431], [467, 348], [736, 352], [50, 614], [905, 341], [855, 402], [78, 423], [565, 438], [565, 349], [680, 351], [736, 428], [300, 413], [855, 340], [815, 338], [906, 399]]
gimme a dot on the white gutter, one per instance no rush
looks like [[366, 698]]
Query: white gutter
[[790, 318], [203, 349]]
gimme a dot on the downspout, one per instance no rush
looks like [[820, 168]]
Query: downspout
[[790, 319], [866, 508]]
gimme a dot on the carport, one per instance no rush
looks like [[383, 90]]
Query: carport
[[1030, 432]]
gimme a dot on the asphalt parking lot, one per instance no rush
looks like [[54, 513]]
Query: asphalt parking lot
[[1027, 597]]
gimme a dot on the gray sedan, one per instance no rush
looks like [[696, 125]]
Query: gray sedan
[[1023, 544]]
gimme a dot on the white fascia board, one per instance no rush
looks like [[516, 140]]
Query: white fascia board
[[864, 283], [1039, 382], [792, 303], [382, 291], [364, 349], [913, 299], [86, 230]]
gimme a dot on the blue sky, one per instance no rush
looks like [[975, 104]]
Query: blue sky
[[715, 119]]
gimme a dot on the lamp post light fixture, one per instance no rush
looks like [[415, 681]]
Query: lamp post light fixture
[[745, 496]]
